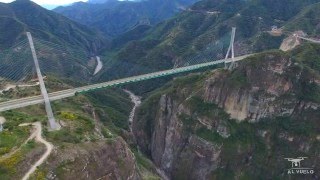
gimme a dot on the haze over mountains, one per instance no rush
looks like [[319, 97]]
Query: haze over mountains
[[104, 1], [116, 17], [24, 15], [216, 123], [240, 123], [191, 32]]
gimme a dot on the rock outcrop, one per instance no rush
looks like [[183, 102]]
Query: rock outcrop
[[166, 151], [95, 160], [213, 125], [264, 91], [258, 96]]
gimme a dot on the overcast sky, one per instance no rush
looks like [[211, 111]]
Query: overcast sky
[[51, 2]]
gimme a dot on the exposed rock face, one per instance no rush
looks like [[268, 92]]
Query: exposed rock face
[[171, 149], [168, 126], [198, 139], [98, 160], [260, 96]]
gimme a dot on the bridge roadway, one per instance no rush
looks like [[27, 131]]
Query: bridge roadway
[[23, 102], [308, 39]]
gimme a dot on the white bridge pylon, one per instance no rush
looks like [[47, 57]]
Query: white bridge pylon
[[231, 49], [52, 122]]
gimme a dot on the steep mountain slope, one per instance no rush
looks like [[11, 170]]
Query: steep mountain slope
[[194, 31], [66, 56], [99, 1], [219, 124], [88, 145], [23, 15], [307, 20], [238, 124], [116, 17]]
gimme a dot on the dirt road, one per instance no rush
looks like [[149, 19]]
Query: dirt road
[[38, 137]]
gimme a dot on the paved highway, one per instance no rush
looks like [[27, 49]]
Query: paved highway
[[19, 103], [308, 39]]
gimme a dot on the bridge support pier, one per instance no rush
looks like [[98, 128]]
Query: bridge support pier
[[52, 122], [231, 50]]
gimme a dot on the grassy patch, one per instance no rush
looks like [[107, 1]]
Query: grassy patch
[[114, 107], [30, 144], [11, 139], [13, 135], [68, 115], [310, 92], [64, 135], [209, 135], [201, 108], [8, 166], [145, 167], [39, 174], [238, 79]]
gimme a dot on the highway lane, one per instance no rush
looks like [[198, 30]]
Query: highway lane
[[156, 74], [23, 102], [19, 103], [308, 39]]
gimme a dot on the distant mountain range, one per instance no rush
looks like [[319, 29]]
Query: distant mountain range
[[228, 124], [23, 16], [104, 1], [168, 43], [20, 16], [217, 124], [117, 17], [99, 1], [178, 39]]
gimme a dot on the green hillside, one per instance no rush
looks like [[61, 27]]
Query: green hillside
[[117, 17], [215, 123], [307, 20], [23, 15], [193, 118], [193, 31]]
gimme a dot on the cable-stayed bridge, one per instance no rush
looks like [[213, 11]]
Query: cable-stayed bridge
[[18, 103], [209, 57]]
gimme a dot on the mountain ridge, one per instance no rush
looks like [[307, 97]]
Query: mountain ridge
[[50, 26], [117, 17], [227, 124], [190, 32]]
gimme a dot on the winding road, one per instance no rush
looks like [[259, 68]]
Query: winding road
[[10, 86], [38, 137]]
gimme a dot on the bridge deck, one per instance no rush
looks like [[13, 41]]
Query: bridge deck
[[23, 102]]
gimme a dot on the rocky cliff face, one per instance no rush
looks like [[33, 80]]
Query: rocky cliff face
[[97, 160], [236, 123], [255, 92], [166, 140]]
